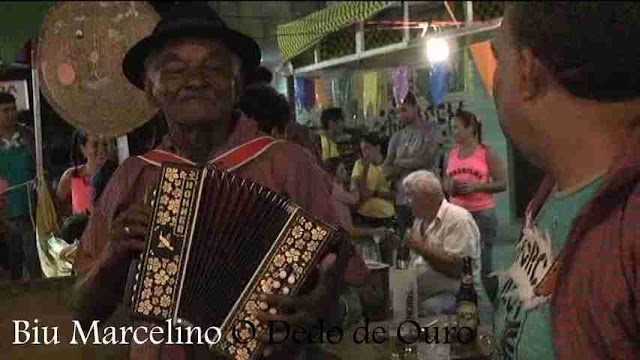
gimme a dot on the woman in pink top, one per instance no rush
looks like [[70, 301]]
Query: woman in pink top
[[74, 187], [474, 172]]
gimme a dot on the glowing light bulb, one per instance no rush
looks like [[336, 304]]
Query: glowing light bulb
[[437, 50]]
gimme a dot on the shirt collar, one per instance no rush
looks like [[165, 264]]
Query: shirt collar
[[436, 220], [441, 209]]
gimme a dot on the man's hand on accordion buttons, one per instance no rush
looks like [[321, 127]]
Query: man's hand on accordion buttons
[[301, 310], [128, 234]]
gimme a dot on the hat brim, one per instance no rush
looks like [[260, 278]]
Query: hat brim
[[245, 47]]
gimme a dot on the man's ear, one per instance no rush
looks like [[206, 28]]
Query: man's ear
[[534, 77]]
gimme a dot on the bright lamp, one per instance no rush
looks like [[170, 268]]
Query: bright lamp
[[437, 50]]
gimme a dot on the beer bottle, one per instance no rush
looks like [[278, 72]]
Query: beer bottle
[[467, 297], [467, 316], [402, 257]]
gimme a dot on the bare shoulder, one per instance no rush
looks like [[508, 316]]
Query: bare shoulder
[[492, 155], [67, 174]]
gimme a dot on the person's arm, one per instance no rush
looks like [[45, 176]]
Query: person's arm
[[496, 170], [459, 237], [344, 196], [384, 190], [105, 250], [497, 175], [447, 182], [313, 194], [367, 232], [359, 177], [425, 156], [388, 167], [442, 261], [63, 192], [423, 159]]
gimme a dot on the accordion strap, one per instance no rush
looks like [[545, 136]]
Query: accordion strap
[[229, 161]]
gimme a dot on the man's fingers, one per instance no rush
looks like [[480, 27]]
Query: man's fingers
[[327, 264], [133, 245], [299, 318], [134, 231], [137, 218], [281, 302]]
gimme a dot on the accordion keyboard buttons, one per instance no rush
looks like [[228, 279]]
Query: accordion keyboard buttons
[[272, 311], [291, 280], [285, 290]]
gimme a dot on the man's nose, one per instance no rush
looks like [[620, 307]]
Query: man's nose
[[195, 77]]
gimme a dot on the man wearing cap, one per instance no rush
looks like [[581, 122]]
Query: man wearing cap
[[568, 96], [192, 69]]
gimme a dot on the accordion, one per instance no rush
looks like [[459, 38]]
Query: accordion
[[216, 242]]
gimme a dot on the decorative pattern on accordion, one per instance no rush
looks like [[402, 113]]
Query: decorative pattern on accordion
[[296, 249], [158, 289], [155, 294]]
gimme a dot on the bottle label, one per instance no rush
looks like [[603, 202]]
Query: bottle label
[[467, 314]]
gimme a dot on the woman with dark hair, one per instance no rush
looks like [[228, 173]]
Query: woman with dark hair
[[75, 187], [474, 172]]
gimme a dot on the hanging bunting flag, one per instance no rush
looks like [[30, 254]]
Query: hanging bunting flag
[[320, 99], [326, 92], [400, 83], [438, 82], [341, 91], [383, 98], [310, 94], [469, 72], [370, 93], [298, 89], [422, 81], [485, 63], [304, 93], [347, 85], [358, 89], [335, 91]]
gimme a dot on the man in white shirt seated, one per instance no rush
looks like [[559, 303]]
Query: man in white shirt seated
[[441, 236]]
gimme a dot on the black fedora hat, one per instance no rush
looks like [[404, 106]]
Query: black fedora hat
[[189, 19]]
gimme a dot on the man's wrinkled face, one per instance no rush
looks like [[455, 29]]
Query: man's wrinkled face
[[194, 81], [8, 115]]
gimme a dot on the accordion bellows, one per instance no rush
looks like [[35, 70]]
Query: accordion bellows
[[216, 242]]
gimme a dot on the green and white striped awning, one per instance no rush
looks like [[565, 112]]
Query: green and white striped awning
[[299, 35]]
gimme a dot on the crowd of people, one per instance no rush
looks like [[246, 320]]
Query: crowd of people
[[572, 288]]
